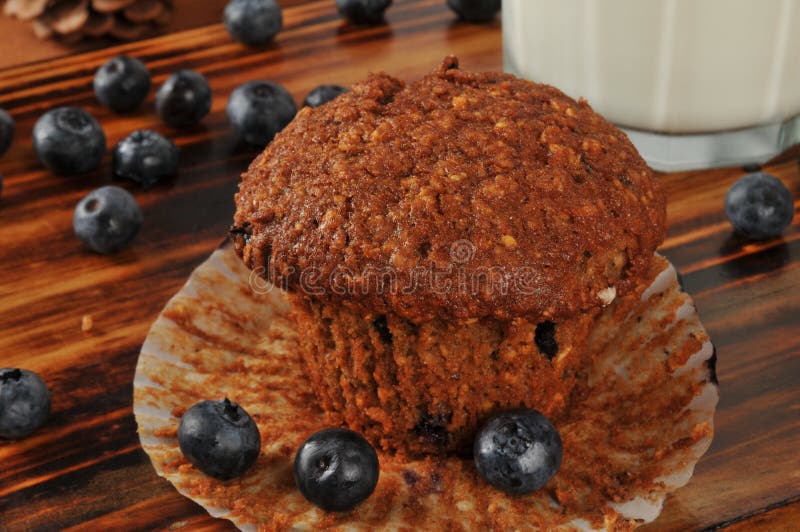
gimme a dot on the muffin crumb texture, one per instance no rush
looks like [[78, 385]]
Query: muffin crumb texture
[[426, 389], [546, 195]]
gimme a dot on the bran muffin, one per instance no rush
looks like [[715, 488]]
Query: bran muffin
[[446, 245]]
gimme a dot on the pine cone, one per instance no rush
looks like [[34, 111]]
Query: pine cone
[[73, 20]]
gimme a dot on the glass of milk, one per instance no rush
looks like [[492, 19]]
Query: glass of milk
[[695, 83]]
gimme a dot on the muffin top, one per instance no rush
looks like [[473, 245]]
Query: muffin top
[[457, 196]]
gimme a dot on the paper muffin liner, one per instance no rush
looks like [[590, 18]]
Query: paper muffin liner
[[632, 435]]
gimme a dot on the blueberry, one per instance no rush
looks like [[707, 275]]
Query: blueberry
[[518, 451], [363, 11], [475, 11], [431, 429], [69, 141], [24, 403], [7, 128], [107, 219], [323, 94], [122, 83], [257, 110], [146, 157], [545, 338], [184, 99], [759, 206], [253, 22], [219, 438], [382, 327], [336, 469]]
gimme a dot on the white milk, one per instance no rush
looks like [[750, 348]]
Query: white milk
[[671, 66]]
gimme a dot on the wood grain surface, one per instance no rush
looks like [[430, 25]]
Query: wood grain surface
[[86, 471]]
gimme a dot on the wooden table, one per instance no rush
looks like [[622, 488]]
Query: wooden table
[[86, 470]]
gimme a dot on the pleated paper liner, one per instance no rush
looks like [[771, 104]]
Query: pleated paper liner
[[634, 435]]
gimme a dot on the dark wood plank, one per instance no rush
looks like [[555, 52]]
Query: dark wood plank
[[782, 518], [85, 469], [747, 297]]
